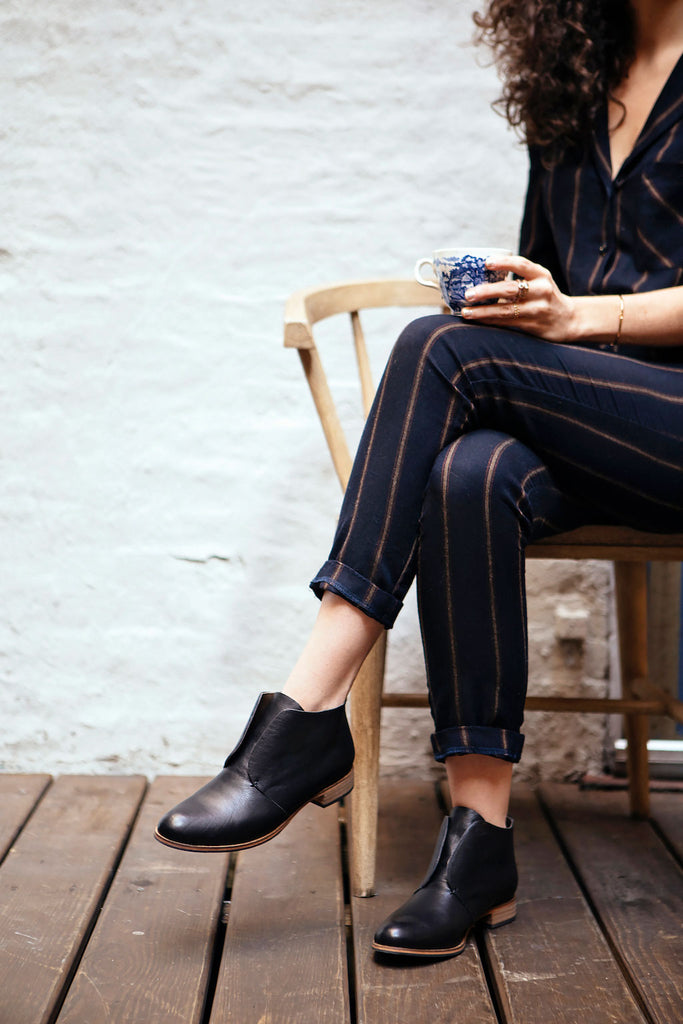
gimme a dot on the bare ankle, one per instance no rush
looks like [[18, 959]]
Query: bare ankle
[[311, 699], [337, 647], [481, 783]]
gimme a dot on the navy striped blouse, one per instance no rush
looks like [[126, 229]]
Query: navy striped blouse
[[599, 235]]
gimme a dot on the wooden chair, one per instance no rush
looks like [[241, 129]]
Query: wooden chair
[[629, 550]]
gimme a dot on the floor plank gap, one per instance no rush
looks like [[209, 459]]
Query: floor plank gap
[[496, 993], [149, 956], [623, 965], [666, 842], [21, 797], [348, 923], [219, 940]]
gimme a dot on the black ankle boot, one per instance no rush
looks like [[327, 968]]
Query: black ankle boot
[[285, 758], [472, 877]]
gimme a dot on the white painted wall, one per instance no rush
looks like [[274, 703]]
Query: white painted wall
[[171, 171]]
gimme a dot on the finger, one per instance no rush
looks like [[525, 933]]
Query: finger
[[508, 291], [519, 265], [508, 314]]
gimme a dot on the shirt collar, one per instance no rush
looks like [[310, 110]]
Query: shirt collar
[[668, 109]]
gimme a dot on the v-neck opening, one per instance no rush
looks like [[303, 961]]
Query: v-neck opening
[[647, 123]]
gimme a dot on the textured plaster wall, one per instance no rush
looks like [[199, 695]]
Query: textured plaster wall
[[171, 171]]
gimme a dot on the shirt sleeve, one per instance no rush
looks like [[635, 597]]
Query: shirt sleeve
[[536, 240]]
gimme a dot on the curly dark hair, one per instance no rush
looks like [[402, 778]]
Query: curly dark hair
[[559, 61]]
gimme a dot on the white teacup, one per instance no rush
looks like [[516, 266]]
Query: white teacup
[[456, 270]]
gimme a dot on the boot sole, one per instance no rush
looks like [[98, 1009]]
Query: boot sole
[[329, 795], [503, 914]]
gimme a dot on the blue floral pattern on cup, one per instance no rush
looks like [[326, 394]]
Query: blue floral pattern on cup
[[456, 274]]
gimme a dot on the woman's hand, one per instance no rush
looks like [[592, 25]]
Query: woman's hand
[[537, 307]]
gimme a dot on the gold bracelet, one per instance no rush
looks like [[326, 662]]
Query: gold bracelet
[[621, 321]]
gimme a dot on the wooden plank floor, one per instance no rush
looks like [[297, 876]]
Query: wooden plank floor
[[100, 923]]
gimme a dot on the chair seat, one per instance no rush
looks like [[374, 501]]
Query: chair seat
[[614, 543]]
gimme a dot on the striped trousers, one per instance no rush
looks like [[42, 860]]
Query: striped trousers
[[480, 440]]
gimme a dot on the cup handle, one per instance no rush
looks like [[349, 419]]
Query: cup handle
[[423, 280]]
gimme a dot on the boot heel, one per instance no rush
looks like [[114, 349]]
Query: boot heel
[[333, 793], [502, 914]]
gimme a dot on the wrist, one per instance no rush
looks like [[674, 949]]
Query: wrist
[[596, 318]]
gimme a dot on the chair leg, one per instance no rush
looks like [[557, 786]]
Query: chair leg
[[631, 595], [366, 708]]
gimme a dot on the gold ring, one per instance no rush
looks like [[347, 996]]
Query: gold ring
[[515, 311], [522, 289]]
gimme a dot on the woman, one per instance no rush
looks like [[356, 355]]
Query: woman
[[555, 401]]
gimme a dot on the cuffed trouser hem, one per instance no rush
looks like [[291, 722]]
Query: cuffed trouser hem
[[358, 590], [477, 739]]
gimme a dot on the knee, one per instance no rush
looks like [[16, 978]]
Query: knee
[[418, 336], [481, 468], [450, 344]]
